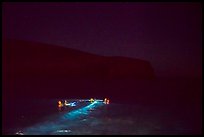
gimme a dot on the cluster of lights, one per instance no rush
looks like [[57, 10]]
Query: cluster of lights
[[61, 104], [72, 104], [69, 115], [19, 133], [106, 101]]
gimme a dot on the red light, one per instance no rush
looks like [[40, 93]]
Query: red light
[[107, 102]]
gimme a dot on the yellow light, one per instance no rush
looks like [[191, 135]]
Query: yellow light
[[59, 102], [91, 100]]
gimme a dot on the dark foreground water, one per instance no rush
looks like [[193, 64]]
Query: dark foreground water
[[159, 108], [99, 118]]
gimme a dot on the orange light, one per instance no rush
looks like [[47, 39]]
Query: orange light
[[60, 104]]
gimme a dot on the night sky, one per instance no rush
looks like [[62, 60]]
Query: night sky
[[166, 34]]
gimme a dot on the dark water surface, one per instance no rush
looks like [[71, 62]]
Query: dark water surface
[[175, 111]]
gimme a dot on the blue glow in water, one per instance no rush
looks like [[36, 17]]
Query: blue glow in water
[[82, 111], [72, 104], [49, 126]]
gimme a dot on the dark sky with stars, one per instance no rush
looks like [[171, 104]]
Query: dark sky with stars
[[166, 34]]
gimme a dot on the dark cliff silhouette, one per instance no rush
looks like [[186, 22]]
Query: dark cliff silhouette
[[22, 58], [34, 69]]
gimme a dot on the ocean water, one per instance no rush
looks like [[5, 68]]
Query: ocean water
[[164, 107], [102, 119]]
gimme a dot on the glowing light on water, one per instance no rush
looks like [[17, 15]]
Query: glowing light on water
[[60, 104], [106, 101], [91, 100], [63, 130], [85, 110], [19, 133], [61, 123], [72, 104]]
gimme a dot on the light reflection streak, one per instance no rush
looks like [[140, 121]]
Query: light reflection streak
[[61, 122], [85, 110]]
